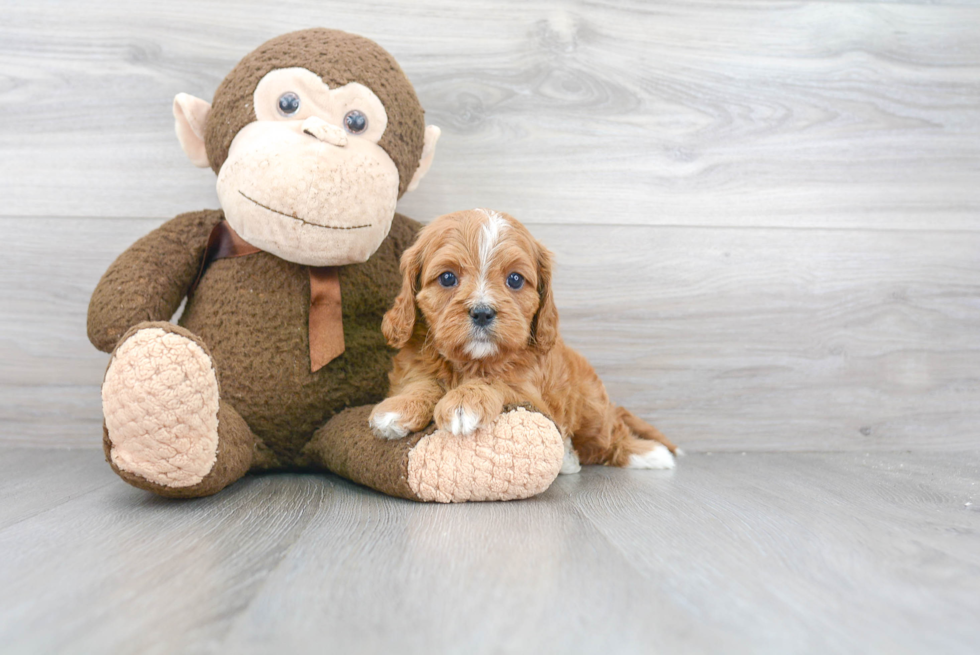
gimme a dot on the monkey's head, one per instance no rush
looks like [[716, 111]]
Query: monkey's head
[[314, 137]]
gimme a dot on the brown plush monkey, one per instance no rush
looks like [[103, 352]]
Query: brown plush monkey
[[279, 353]]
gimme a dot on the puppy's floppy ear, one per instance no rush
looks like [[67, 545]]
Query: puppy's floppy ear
[[544, 326], [399, 321]]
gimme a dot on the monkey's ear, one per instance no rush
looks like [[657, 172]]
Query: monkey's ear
[[428, 152], [191, 115]]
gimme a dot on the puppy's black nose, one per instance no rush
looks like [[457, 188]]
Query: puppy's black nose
[[482, 315]]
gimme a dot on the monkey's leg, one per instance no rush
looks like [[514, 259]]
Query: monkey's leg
[[516, 456], [166, 429]]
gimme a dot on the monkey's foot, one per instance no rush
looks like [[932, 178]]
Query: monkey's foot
[[160, 402], [518, 455]]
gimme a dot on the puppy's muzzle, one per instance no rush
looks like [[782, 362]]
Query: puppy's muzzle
[[482, 315]]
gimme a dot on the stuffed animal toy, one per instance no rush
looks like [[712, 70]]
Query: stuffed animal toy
[[278, 355]]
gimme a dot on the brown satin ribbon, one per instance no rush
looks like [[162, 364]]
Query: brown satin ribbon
[[326, 317]]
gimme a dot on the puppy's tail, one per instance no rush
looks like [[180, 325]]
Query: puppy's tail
[[644, 430]]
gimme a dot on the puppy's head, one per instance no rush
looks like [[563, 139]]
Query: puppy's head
[[482, 284]]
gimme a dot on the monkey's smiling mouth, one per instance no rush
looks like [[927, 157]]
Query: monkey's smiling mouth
[[297, 218]]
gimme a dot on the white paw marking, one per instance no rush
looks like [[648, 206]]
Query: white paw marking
[[464, 422], [570, 463], [388, 425], [658, 458]]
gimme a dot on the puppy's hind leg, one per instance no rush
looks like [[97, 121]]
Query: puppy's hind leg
[[613, 443], [648, 447], [644, 430]]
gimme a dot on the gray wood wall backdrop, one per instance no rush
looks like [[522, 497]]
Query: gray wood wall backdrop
[[766, 214]]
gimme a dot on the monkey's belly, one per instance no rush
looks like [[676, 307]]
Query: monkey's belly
[[253, 314]]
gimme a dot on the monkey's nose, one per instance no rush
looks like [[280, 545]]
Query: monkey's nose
[[482, 315], [324, 131]]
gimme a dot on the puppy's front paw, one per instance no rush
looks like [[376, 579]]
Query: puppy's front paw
[[397, 417], [464, 422], [463, 411], [458, 420], [388, 425]]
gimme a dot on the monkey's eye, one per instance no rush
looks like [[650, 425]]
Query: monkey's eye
[[288, 104], [515, 281], [447, 279], [355, 121]]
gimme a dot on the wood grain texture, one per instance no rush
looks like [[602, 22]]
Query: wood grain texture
[[736, 128], [120, 570], [35, 481], [728, 339], [762, 553], [671, 113], [804, 553]]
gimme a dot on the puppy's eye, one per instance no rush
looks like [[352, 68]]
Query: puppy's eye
[[288, 104], [355, 122], [515, 281], [447, 279]]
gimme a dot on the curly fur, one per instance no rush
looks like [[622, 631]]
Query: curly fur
[[461, 375]]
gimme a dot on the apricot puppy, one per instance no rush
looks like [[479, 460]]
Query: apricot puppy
[[478, 329]]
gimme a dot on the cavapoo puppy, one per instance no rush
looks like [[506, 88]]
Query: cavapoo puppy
[[478, 329]]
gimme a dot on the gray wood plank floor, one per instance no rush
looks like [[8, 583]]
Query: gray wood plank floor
[[762, 552]]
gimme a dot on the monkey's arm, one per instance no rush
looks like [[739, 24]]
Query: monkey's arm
[[149, 280]]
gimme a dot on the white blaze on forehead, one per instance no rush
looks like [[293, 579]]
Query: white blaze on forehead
[[490, 234]]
